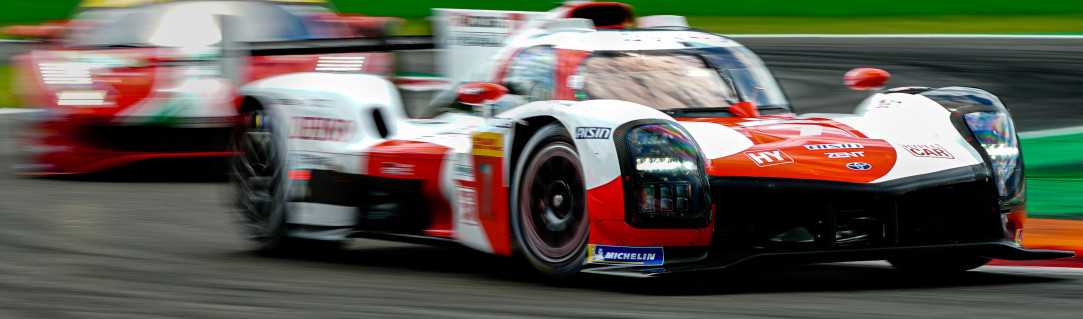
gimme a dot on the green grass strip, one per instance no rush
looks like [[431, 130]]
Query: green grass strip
[[983, 24], [7, 98], [742, 8], [1054, 169]]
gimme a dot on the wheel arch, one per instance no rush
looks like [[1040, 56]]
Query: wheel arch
[[250, 103], [523, 131]]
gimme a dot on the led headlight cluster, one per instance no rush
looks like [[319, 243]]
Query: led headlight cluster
[[996, 134], [665, 182]]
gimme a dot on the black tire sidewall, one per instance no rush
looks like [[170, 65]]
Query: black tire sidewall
[[552, 133]]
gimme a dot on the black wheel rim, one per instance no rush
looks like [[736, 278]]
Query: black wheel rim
[[552, 212], [255, 174]]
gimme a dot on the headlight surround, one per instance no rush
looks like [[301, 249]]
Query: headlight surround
[[664, 181], [995, 132]]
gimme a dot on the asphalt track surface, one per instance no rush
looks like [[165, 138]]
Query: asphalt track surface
[[155, 241]]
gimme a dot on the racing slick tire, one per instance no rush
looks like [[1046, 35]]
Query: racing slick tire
[[941, 264], [257, 172], [549, 216]]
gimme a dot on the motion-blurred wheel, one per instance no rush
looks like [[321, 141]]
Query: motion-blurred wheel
[[258, 174], [550, 222]]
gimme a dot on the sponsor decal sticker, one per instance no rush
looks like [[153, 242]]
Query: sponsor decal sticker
[[859, 166], [769, 157], [887, 104], [315, 161], [321, 129], [845, 154], [468, 205], [489, 144], [502, 122], [601, 133], [392, 168], [927, 150], [482, 29], [462, 172], [835, 146], [645, 256]]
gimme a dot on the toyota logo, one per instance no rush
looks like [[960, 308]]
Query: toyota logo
[[859, 166]]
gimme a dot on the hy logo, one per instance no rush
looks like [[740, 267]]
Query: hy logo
[[601, 133], [769, 157]]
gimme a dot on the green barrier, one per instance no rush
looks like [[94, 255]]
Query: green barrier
[[37, 10], [1054, 169], [835, 8]]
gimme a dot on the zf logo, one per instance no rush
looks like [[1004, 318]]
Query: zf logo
[[592, 133], [845, 154], [769, 157]]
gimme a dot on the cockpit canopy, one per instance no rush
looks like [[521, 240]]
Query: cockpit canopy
[[683, 79]]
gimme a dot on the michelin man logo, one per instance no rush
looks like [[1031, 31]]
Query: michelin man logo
[[600, 256]]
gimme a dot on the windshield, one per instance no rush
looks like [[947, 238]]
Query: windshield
[[685, 79], [193, 24]]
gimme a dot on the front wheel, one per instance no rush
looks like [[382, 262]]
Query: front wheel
[[550, 219]]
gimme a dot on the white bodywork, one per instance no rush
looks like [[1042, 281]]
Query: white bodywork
[[349, 100]]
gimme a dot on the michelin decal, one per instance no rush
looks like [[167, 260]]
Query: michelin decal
[[642, 256]]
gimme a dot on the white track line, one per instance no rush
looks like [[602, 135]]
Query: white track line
[[908, 36], [994, 268], [1032, 270], [1052, 132], [4, 111]]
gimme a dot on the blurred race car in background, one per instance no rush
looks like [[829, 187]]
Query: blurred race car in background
[[597, 142], [130, 80]]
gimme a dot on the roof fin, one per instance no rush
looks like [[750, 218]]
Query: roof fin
[[569, 24], [662, 21]]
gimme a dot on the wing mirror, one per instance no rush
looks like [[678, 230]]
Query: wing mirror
[[479, 93], [486, 98], [864, 79]]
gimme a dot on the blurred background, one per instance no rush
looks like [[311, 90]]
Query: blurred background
[[148, 240]]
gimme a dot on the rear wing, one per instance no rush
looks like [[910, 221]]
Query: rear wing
[[336, 45], [361, 54], [468, 38]]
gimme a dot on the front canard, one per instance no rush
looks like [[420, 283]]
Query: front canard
[[643, 256]]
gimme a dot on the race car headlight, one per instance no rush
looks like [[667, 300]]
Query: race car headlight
[[995, 133], [664, 179]]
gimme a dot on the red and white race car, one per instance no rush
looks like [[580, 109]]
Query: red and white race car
[[129, 80], [588, 144]]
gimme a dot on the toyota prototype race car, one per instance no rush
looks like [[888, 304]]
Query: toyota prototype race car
[[131, 80], [591, 144]]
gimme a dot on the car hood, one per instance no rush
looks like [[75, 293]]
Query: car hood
[[817, 149]]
